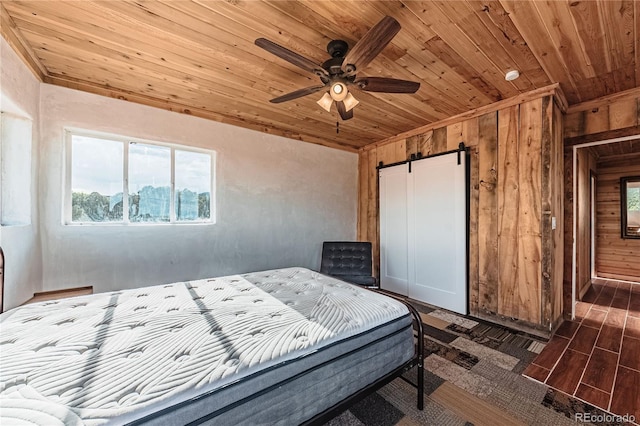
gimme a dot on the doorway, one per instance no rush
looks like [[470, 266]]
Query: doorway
[[599, 250], [592, 224]]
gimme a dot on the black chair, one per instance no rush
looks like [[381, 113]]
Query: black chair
[[349, 261]]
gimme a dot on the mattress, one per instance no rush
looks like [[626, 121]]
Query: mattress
[[266, 347]]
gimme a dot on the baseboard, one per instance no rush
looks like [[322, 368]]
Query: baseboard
[[619, 277], [516, 324]]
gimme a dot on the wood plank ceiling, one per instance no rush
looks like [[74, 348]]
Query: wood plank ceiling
[[616, 150], [198, 57]]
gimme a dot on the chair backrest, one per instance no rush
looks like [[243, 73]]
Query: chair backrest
[[346, 258]]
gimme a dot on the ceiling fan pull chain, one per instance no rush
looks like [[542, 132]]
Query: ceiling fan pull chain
[[337, 127]]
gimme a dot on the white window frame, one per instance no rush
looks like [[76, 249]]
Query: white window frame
[[126, 141], [20, 215]]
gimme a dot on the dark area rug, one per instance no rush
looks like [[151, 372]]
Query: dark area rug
[[473, 376]]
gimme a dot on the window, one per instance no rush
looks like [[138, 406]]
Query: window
[[149, 183], [118, 180], [15, 170], [630, 206], [193, 198]]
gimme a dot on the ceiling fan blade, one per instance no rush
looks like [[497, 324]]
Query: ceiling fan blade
[[388, 85], [291, 56], [297, 94], [371, 44], [342, 110]]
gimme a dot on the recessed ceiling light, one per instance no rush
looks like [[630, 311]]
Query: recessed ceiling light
[[511, 75]]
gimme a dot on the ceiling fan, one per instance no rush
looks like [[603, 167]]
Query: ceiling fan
[[338, 73]]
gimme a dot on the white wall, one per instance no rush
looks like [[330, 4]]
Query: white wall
[[20, 94], [277, 201]]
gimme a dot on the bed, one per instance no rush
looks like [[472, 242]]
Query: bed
[[286, 346]]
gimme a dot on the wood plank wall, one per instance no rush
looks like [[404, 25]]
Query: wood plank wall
[[617, 258], [515, 257], [617, 116], [600, 119], [586, 165], [558, 188]]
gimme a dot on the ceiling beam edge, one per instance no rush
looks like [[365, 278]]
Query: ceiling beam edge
[[15, 39], [605, 100], [602, 136], [560, 99]]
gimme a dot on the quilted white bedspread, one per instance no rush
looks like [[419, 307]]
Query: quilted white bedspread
[[116, 357]]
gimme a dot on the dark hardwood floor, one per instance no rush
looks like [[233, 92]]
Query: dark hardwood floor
[[596, 357]]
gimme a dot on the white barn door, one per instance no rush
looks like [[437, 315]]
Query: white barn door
[[394, 236], [429, 215]]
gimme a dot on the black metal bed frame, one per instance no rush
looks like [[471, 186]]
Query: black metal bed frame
[[326, 415], [331, 412], [416, 360]]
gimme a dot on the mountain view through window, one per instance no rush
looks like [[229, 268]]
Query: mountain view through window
[[99, 173]]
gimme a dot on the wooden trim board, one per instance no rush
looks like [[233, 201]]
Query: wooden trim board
[[552, 90], [59, 294], [605, 100]]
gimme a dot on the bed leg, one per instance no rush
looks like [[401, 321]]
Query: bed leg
[[419, 355], [420, 365], [419, 347], [420, 374]]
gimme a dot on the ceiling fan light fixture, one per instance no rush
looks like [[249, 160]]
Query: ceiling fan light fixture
[[350, 102], [339, 72], [325, 102], [338, 91]]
